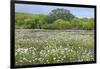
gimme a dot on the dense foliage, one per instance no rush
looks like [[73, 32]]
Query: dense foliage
[[56, 19], [59, 13]]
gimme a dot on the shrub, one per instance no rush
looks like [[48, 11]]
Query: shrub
[[88, 25], [58, 24], [61, 24]]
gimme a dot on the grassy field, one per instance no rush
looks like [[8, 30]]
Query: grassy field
[[34, 46]]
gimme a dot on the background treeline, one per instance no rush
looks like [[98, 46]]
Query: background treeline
[[57, 19]]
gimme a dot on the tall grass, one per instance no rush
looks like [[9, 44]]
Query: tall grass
[[53, 46]]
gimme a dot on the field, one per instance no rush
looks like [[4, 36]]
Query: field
[[34, 46]]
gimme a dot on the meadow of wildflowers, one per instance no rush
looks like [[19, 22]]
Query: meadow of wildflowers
[[34, 46]]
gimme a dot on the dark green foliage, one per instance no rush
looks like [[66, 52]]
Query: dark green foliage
[[59, 13]]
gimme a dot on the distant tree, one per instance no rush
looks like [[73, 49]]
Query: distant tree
[[59, 13]]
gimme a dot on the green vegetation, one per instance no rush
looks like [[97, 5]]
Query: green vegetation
[[56, 19], [29, 21], [58, 37], [59, 13], [53, 46]]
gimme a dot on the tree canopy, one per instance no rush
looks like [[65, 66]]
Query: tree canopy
[[59, 13]]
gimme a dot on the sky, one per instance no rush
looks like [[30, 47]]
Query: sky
[[46, 9]]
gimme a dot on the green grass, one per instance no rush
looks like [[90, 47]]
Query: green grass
[[53, 46]]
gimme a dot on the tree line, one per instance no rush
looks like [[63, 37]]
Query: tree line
[[57, 19]]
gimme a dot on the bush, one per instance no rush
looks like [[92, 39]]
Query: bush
[[27, 21], [61, 24], [38, 21], [87, 25], [76, 23], [58, 24]]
